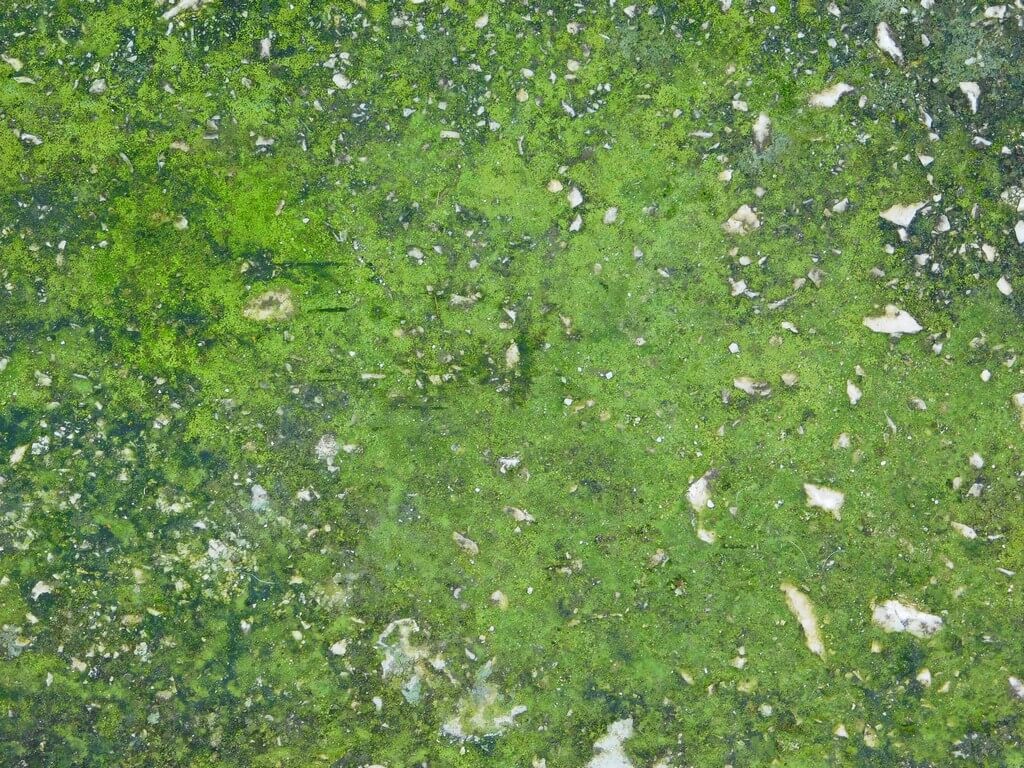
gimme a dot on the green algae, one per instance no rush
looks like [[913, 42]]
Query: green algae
[[188, 625]]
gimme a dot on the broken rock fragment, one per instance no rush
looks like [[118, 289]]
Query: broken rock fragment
[[762, 131], [887, 43], [801, 607], [751, 387], [609, 751], [901, 214], [894, 321], [972, 91], [743, 222], [894, 616], [825, 498], [830, 96], [466, 544]]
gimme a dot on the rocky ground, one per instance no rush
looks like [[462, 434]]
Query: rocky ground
[[522, 383]]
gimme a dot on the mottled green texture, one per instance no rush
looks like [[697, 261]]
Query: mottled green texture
[[189, 626]]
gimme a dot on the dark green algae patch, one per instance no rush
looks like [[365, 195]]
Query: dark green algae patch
[[330, 436]]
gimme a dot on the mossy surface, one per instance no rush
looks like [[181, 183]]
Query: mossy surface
[[286, 302]]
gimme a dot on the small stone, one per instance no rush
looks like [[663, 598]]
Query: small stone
[[853, 392], [466, 544], [512, 356], [964, 530], [742, 222], [895, 321], [339, 648], [1016, 687], [609, 751], [751, 387], [894, 616], [762, 131], [260, 498], [41, 588], [825, 498], [902, 215], [972, 91], [830, 96], [18, 454], [801, 607], [887, 43]]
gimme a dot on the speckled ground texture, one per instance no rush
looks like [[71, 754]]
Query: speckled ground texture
[[525, 383]]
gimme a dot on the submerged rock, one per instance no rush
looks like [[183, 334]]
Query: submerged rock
[[609, 750], [270, 306], [481, 714]]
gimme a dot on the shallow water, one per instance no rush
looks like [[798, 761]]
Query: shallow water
[[515, 384]]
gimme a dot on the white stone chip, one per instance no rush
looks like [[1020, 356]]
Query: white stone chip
[[800, 606], [18, 454], [41, 588], [825, 498], [1016, 687], [752, 387], [902, 215], [894, 616], [853, 392], [1018, 231], [512, 356], [830, 96], [609, 751], [964, 530], [894, 321], [887, 43], [575, 198], [699, 493], [1004, 286], [181, 7], [972, 91], [743, 222], [339, 648], [762, 131]]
